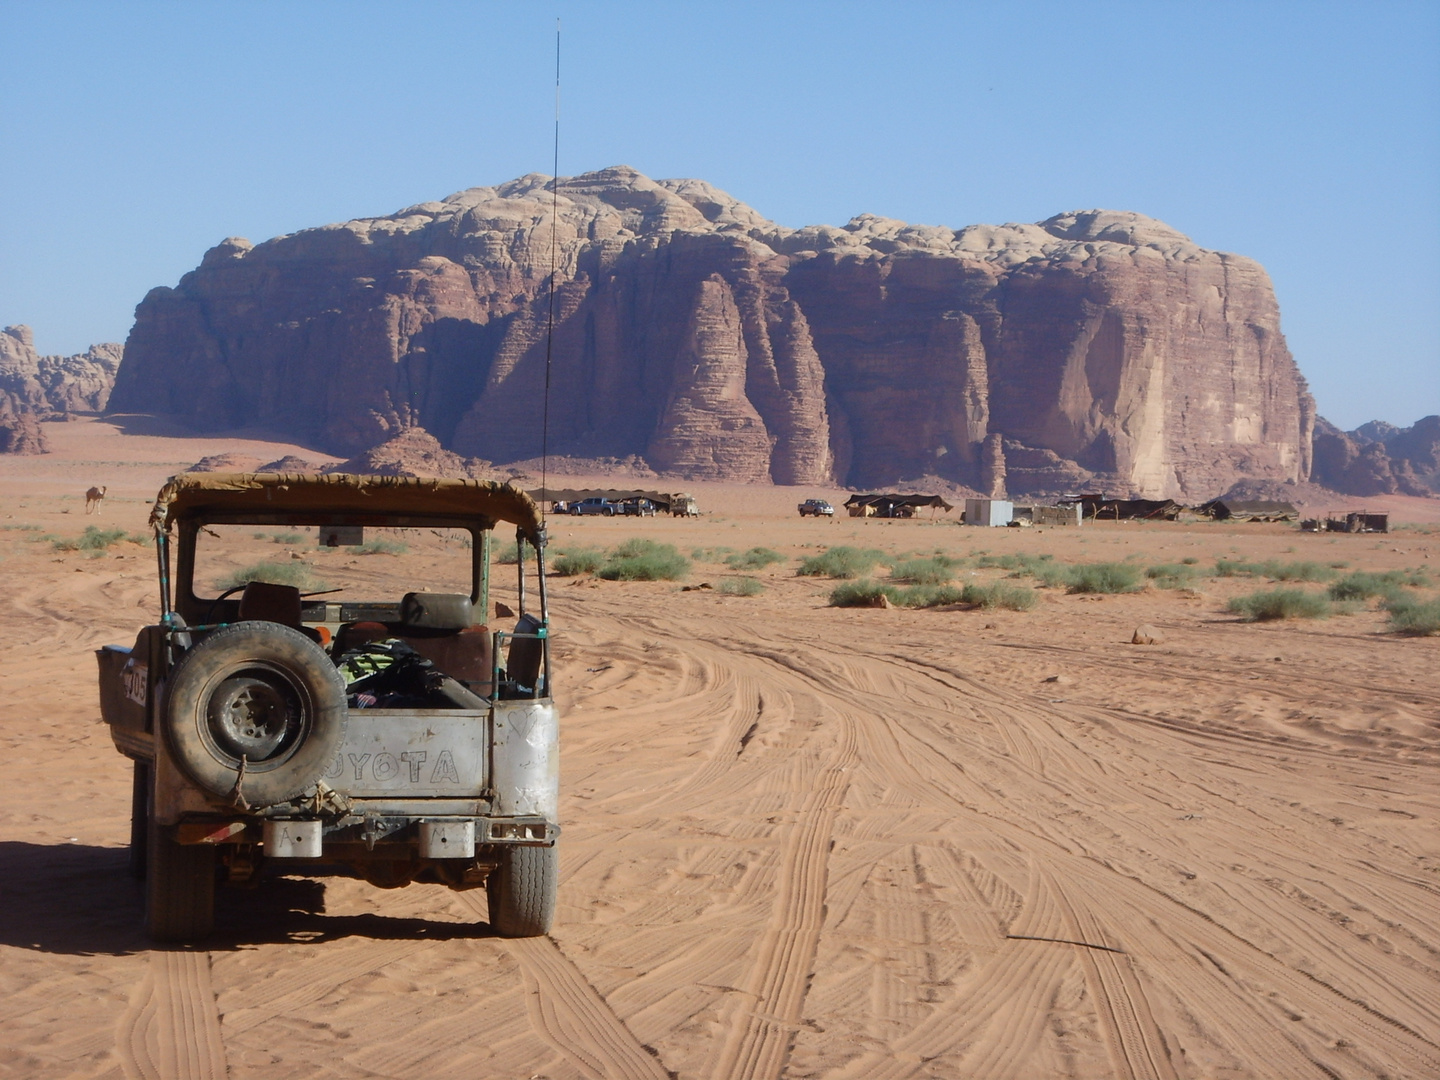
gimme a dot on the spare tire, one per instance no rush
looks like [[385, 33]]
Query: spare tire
[[261, 692]]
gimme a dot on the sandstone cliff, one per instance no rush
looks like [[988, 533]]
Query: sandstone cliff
[[35, 387], [1098, 347]]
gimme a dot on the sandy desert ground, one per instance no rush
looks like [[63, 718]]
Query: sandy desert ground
[[800, 841]]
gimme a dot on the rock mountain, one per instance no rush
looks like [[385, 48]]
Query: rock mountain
[[1096, 348], [35, 387]]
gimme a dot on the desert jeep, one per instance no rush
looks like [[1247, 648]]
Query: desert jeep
[[283, 718]]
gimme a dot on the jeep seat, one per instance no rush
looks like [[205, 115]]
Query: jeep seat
[[274, 603]]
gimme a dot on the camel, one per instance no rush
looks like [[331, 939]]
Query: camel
[[93, 499]]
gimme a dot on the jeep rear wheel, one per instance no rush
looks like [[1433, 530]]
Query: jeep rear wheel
[[139, 819], [179, 887], [522, 891], [255, 711]]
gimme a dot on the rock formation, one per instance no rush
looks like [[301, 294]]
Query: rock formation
[[1102, 348], [35, 387], [412, 452], [1379, 458], [56, 384]]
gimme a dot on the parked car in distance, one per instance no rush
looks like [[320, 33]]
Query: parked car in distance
[[594, 505], [816, 508], [637, 507]]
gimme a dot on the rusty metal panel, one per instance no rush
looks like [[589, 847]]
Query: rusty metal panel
[[411, 752]]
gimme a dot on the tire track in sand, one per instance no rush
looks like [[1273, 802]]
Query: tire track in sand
[[570, 1015], [760, 1023], [1137, 1049], [171, 1029]]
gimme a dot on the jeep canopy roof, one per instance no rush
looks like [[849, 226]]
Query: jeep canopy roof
[[197, 495]]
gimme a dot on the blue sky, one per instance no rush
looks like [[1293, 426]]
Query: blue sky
[[1305, 135]]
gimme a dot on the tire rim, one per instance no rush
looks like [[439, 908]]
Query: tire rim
[[259, 713]]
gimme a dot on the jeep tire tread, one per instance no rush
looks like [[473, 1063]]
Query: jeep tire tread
[[179, 887], [271, 680], [522, 891]]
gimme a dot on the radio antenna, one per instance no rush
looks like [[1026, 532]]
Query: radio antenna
[[550, 323]]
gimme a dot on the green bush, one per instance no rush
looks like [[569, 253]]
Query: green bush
[[644, 560], [741, 586], [1280, 604], [757, 558], [924, 596], [577, 561], [92, 539], [1103, 578], [289, 538], [1189, 560], [1171, 575], [382, 547], [935, 570], [1411, 615], [293, 573], [861, 593], [1361, 585], [841, 562], [1000, 595]]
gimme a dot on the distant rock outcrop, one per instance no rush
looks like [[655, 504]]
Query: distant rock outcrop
[[413, 452], [35, 387], [20, 430], [1379, 458], [1099, 346]]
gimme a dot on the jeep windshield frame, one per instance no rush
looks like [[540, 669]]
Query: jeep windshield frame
[[189, 502]]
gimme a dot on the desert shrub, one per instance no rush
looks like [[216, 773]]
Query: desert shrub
[[841, 562], [1280, 604], [1274, 570], [289, 538], [1298, 571], [382, 547], [510, 554], [923, 596], [1018, 561], [1361, 585], [1001, 594], [998, 595], [935, 570], [757, 558], [1189, 560], [712, 554], [861, 593], [1171, 575], [1103, 578], [293, 573], [644, 560], [1411, 615], [578, 561], [741, 586], [92, 539]]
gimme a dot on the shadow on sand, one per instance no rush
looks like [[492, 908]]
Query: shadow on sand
[[81, 900]]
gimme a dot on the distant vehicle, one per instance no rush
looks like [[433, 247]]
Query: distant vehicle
[[638, 508], [816, 508], [684, 506], [594, 505]]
